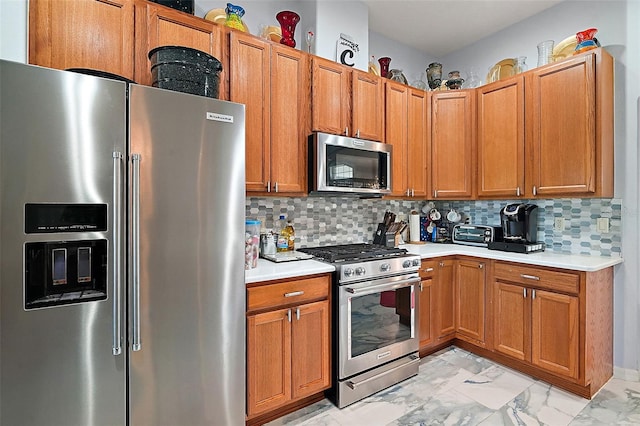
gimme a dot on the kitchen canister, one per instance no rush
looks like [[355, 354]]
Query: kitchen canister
[[251, 243]]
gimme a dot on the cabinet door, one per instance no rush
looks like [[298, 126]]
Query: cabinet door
[[268, 360], [396, 103], [310, 353], [418, 150], [512, 320], [162, 26], [562, 116], [470, 281], [290, 119], [330, 96], [555, 330], [445, 299], [95, 34], [501, 139], [426, 311], [368, 106], [453, 144], [250, 84]]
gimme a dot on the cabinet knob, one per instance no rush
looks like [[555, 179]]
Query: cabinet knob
[[481, 266]]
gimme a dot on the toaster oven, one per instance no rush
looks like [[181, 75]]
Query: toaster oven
[[476, 235]]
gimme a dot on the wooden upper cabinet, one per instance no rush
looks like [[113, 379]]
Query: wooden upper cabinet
[[250, 84], [453, 145], [346, 101], [95, 34], [290, 119], [406, 129], [162, 26], [501, 139], [396, 135], [418, 149], [368, 106], [570, 119], [330, 96]]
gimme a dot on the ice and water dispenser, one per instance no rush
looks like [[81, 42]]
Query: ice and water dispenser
[[64, 271]]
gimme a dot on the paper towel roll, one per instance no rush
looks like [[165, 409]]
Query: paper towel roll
[[414, 227]]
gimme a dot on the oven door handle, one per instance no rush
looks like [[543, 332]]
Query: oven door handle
[[354, 385], [382, 287]]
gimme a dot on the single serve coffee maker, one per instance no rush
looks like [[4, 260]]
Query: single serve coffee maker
[[519, 229]]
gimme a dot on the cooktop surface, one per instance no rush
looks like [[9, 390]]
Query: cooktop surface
[[351, 252]]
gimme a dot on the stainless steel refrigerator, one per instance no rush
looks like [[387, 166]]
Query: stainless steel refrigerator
[[121, 253]]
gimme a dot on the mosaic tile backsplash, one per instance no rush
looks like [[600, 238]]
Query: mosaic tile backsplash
[[342, 220]]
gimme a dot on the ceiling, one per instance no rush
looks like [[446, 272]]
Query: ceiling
[[439, 27]]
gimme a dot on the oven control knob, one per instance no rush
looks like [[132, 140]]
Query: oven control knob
[[416, 262], [360, 271], [385, 267], [348, 272], [406, 264]]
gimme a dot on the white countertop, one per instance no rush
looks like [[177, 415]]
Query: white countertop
[[267, 270], [574, 262]]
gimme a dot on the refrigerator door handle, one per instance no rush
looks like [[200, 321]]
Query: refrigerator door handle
[[135, 249], [117, 215]]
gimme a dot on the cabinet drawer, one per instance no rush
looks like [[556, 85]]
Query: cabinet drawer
[[428, 268], [565, 282], [286, 293]]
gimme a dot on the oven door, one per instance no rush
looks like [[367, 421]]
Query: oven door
[[378, 322]]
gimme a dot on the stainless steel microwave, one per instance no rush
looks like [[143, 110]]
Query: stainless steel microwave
[[340, 164]]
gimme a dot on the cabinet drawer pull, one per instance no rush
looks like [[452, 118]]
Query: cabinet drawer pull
[[530, 277], [428, 270], [294, 293]]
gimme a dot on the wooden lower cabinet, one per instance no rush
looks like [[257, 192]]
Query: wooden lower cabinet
[[556, 324], [288, 343], [553, 324], [470, 285]]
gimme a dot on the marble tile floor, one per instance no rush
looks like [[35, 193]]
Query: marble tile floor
[[455, 387]]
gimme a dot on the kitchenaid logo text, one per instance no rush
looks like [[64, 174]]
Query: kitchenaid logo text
[[219, 117]]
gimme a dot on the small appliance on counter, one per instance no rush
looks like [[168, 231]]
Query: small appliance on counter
[[519, 227], [476, 235]]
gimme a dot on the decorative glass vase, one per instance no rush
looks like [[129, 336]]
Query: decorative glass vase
[[234, 17], [545, 52], [288, 21], [473, 79], [434, 75], [384, 66], [521, 65]]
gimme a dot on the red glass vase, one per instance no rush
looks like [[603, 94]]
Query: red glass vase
[[288, 21], [384, 66]]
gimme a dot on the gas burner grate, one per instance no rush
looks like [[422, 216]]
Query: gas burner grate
[[350, 252]]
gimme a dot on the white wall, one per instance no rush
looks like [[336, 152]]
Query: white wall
[[13, 30], [348, 17], [617, 23]]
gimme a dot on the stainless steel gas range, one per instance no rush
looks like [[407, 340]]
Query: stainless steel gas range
[[375, 314]]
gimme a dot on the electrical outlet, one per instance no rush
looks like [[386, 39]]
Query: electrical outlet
[[602, 225], [558, 224]]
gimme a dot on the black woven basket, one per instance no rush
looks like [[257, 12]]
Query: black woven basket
[[184, 69]]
